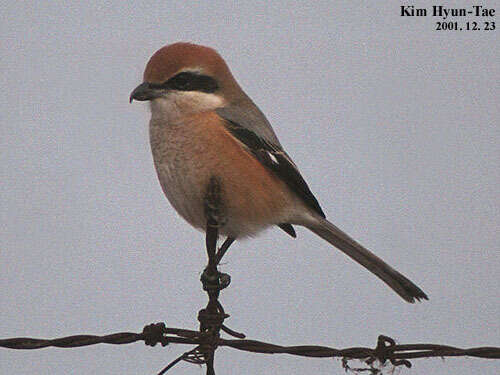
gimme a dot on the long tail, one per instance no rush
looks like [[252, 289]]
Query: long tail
[[400, 284]]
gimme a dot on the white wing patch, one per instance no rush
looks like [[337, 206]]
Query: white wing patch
[[272, 157]]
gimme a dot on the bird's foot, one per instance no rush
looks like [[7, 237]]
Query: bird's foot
[[214, 280]]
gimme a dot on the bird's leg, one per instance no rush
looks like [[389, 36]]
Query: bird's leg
[[211, 277], [224, 248], [214, 212], [211, 243], [212, 317]]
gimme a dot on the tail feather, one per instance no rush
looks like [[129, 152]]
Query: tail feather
[[400, 284]]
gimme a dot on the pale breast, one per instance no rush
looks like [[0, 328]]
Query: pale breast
[[187, 155]]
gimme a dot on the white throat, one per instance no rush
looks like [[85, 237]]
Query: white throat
[[177, 104]]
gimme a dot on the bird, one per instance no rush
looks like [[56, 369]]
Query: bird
[[206, 130]]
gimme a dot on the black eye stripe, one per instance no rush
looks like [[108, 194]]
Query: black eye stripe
[[187, 81]]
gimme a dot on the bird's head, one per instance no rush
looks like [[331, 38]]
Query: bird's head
[[184, 78]]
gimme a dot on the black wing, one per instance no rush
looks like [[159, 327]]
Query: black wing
[[288, 228], [274, 158]]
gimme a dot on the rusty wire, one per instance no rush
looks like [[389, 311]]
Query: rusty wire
[[207, 339], [158, 333]]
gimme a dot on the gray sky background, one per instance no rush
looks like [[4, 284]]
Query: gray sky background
[[394, 125]]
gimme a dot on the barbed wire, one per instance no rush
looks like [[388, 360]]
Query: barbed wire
[[207, 339], [159, 333]]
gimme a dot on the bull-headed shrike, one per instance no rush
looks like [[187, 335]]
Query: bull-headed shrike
[[203, 128]]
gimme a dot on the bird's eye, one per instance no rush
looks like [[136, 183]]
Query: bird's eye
[[182, 81], [187, 81]]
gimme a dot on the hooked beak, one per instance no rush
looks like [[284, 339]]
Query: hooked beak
[[145, 92]]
